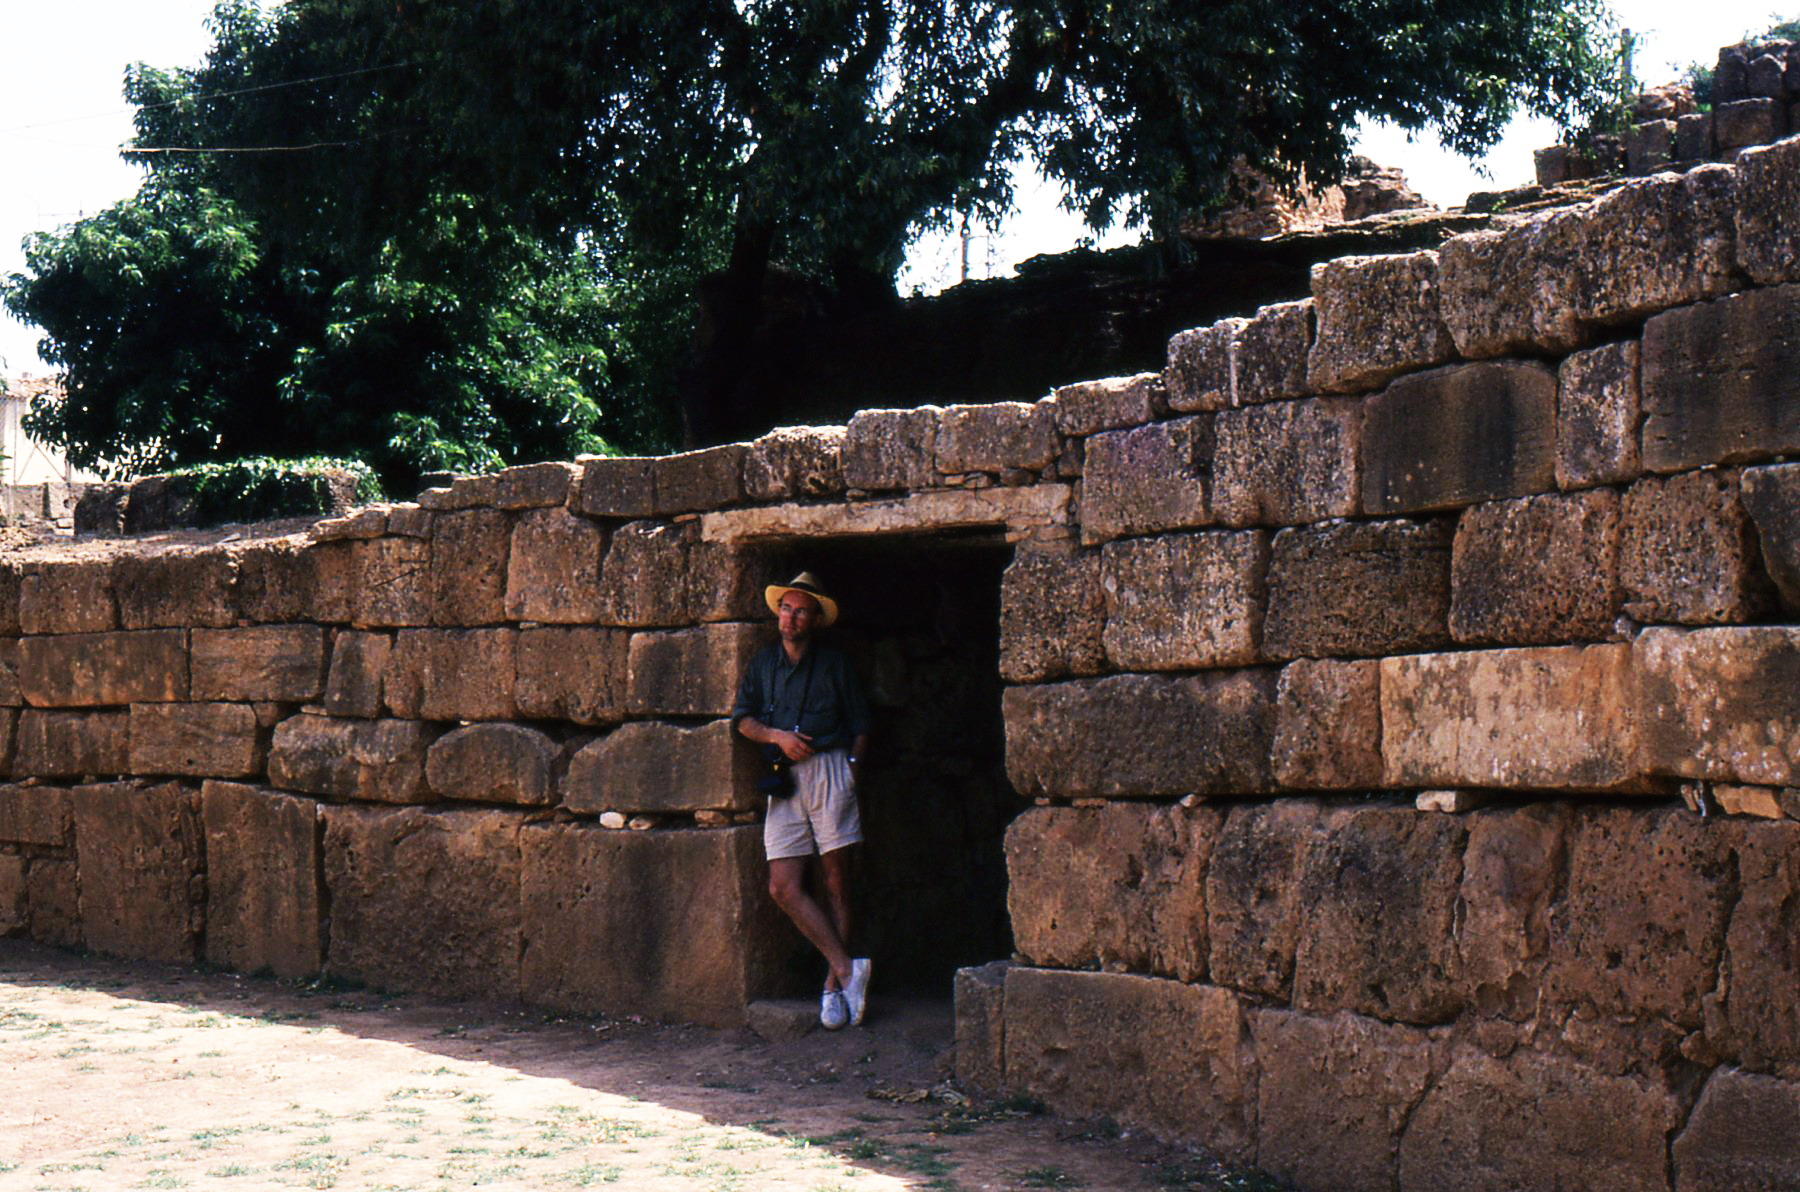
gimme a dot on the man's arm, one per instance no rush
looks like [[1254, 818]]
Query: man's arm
[[797, 746]]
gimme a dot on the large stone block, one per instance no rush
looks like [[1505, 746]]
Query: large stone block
[[995, 437], [645, 579], [1597, 415], [15, 912], [469, 555], [1358, 588], [1379, 934], [1198, 373], [451, 674], [494, 763], [1328, 725], [293, 579], [72, 744], [1286, 464], [201, 740], [176, 587], [1722, 704], [1184, 601], [1538, 1121], [392, 582], [655, 767], [667, 924], [1771, 496], [353, 686], [1118, 887], [1268, 353], [1538, 569], [691, 672], [1146, 1051], [1514, 289], [1459, 435], [53, 899], [1141, 481], [10, 694], [77, 670], [796, 463], [554, 570], [1116, 403], [424, 900], [141, 852], [535, 486], [616, 486], [1512, 871], [1721, 381], [980, 995], [36, 815], [379, 760], [1052, 615], [283, 663], [11, 576], [1090, 737], [67, 596], [725, 580], [710, 478], [888, 449], [1741, 1136], [571, 674], [1562, 718], [1748, 122], [1378, 317], [1768, 213], [265, 908], [1689, 554], [1753, 1016], [1333, 1097]]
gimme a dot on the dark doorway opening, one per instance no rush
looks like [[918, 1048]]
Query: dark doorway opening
[[921, 622]]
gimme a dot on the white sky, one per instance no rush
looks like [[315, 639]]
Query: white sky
[[62, 121]]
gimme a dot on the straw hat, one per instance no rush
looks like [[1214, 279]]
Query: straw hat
[[805, 582]]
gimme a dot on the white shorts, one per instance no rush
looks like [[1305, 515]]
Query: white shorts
[[820, 816]]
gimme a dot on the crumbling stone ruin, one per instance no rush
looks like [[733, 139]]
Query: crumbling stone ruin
[[1404, 678]]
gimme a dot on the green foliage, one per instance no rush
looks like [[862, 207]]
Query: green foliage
[[260, 488]]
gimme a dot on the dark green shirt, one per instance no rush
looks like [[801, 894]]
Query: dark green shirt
[[836, 710]]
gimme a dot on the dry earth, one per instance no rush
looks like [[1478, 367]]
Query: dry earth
[[130, 1076]]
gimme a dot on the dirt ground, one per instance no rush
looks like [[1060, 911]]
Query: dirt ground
[[131, 1076]]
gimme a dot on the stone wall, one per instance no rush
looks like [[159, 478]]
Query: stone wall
[[1503, 529]]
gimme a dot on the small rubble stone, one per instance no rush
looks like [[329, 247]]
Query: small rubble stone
[[1286, 464], [1721, 704], [1768, 213], [263, 662], [1763, 802], [1184, 601], [72, 744], [1269, 352], [575, 674], [1597, 415], [889, 449], [1052, 615], [989, 438], [1459, 435], [796, 463], [690, 672], [1358, 588], [378, 760], [264, 905], [1689, 554], [1328, 725], [141, 850], [451, 674], [199, 740], [78, 670], [494, 763], [1537, 570], [1116, 403], [353, 685], [1772, 498], [1198, 375], [1378, 317], [1152, 478], [469, 553]]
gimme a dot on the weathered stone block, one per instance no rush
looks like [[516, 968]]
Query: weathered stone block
[[1741, 1135], [1722, 704], [379, 760], [1379, 934], [1184, 601], [1052, 616], [393, 582], [553, 573], [53, 899], [290, 579], [425, 900], [15, 915], [37, 815], [980, 995], [1748, 122], [284, 663], [1455, 436], [265, 908], [1328, 726], [1597, 414], [11, 696], [1198, 375], [796, 462], [141, 854], [1378, 317], [725, 581], [706, 479], [654, 767], [1334, 1095], [1287, 463], [995, 437], [494, 763], [353, 686], [1689, 553], [1649, 146], [1562, 718], [176, 587], [1358, 588], [1540, 1121], [1512, 870], [469, 555], [1116, 403], [1694, 141], [1753, 1017], [671, 924], [535, 486], [1253, 904], [1268, 353], [616, 486], [571, 674], [1118, 887], [1539, 569], [71, 744], [1141, 481], [1513, 289], [1771, 496], [1721, 381], [202, 740], [11, 576], [76, 670], [450, 674], [1768, 213], [690, 672], [1087, 737], [67, 596], [887, 449], [645, 579], [1146, 1051]]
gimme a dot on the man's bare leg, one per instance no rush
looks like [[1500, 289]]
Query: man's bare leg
[[787, 886], [834, 867]]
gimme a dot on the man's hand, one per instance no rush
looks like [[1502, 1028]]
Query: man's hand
[[797, 746]]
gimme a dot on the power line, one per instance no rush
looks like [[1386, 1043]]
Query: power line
[[205, 149]]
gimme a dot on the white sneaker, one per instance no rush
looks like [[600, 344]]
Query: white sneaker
[[833, 1013], [857, 992]]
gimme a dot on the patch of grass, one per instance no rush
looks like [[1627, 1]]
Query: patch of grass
[[229, 1171], [589, 1175], [1048, 1177], [162, 1178]]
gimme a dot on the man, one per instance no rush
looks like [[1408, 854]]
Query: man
[[802, 697]]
